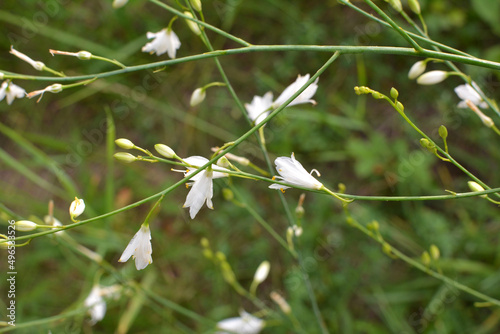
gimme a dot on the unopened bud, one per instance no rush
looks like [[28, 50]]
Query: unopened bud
[[432, 77], [124, 143], [165, 150], [414, 6], [417, 69], [377, 95], [443, 132], [394, 93], [474, 186], [192, 25], [396, 4], [283, 305], [261, 272], [119, 3], [196, 5], [25, 225], [76, 208], [223, 162], [84, 55], [125, 157], [227, 194], [197, 97], [426, 258], [435, 254]]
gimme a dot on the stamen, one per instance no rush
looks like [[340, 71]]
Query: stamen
[[282, 190], [273, 178], [316, 171]]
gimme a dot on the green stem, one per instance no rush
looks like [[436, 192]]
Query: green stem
[[394, 25], [112, 61]]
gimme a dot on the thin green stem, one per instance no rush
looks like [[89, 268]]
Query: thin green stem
[[399, 51], [394, 25]]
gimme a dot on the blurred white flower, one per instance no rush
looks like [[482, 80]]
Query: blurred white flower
[[417, 69], [197, 97], [262, 272], [260, 107], [95, 301], [76, 208], [292, 172], [119, 3], [432, 77], [38, 65], [304, 97], [467, 92], [139, 248], [202, 187], [164, 40], [244, 324], [11, 91], [51, 220]]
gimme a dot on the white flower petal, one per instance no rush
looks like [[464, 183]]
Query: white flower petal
[[244, 324], [139, 248], [292, 172], [259, 108], [467, 92], [304, 97], [165, 41]]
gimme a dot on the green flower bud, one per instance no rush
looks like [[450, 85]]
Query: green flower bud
[[434, 250], [443, 132], [196, 4], [125, 157], [474, 186], [426, 258], [394, 93], [165, 150], [124, 143], [414, 6], [25, 225]]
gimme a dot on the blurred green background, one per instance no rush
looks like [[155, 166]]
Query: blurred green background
[[352, 139]]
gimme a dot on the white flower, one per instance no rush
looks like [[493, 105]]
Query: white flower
[[11, 91], [260, 107], [244, 324], [202, 187], [467, 92], [38, 65], [76, 208], [95, 302], [165, 40], [304, 97], [139, 248], [417, 69], [119, 3], [293, 173], [432, 77], [51, 220]]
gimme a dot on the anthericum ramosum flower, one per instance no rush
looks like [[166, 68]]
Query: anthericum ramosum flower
[[467, 92], [165, 150], [259, 108], [202, 187], [76, 208], [304, 97], [417, 69], [95, 301], [191, 24], [51, 220], [124, 143], [197, 97], [139, 248], [55, 88], [119, 3], [244, 324], [432, 77], [25, 225], [164, 40], [292, 172], [11, 91], [37, 65]]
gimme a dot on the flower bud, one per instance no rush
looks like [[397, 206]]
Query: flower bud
[[474, 186], [261, 272], [394, 93], [76, 208], [223, 162], [278, 299], [443, 132], [196, 4], [25, 225], [124, 143], [377, 95], [119, 3], [426, 258], [396, 4], [125, 157], [84, 55], [192, 25], [432, 77], [165, 150], [414, 6], [55, 88], [434, 251], [197, 97], [417, 69], [227, 194]]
